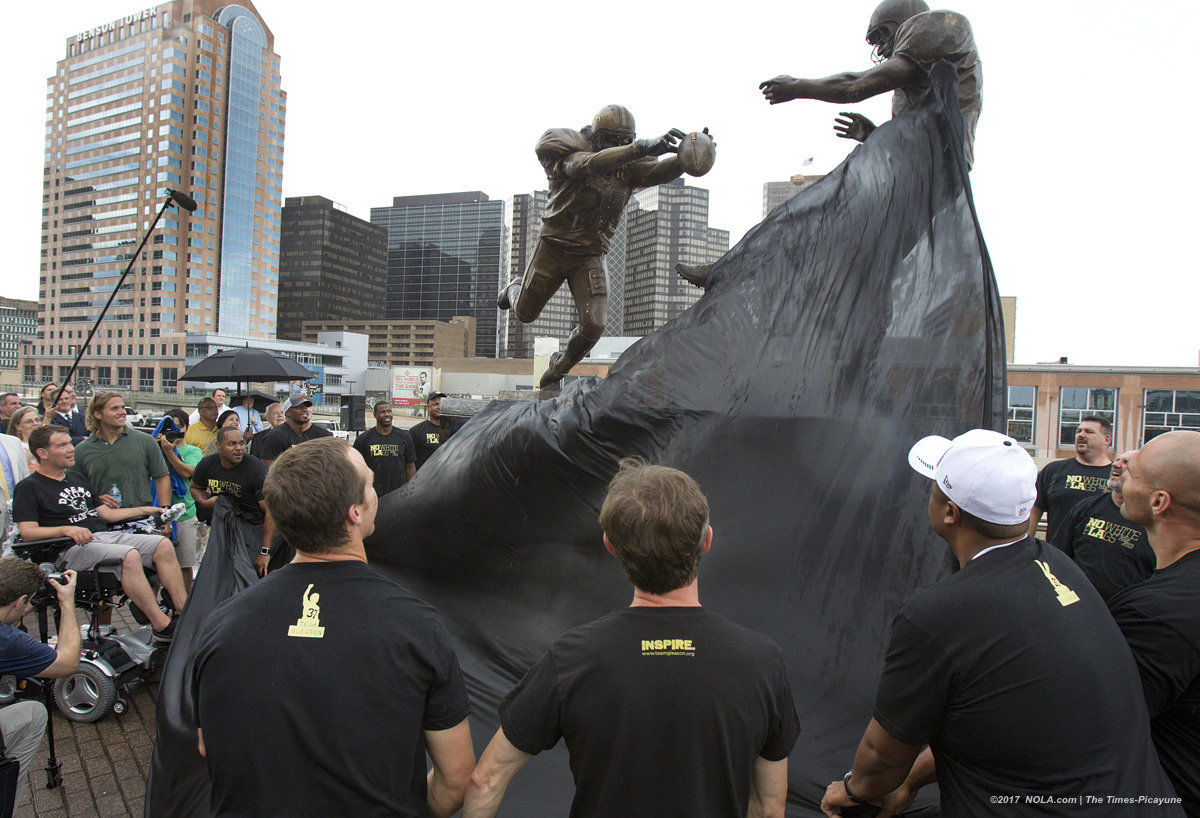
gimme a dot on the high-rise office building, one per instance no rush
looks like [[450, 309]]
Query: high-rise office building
[[445, 258], [18, 326], [184, 95], [559, 316], [669, 225], [776, 193], [332, 266]]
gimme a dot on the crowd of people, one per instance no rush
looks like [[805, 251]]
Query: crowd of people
[[80, 476], [1047, 677], [1010, 682]]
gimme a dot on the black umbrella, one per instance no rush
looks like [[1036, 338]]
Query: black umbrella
[[246, 364]]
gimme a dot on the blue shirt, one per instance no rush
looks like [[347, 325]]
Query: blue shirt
[[21, 655], [251, 420]]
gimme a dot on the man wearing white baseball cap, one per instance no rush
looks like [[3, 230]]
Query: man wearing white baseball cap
[[1009, 673]]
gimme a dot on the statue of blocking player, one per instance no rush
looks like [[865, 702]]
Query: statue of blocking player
[[592, 173]]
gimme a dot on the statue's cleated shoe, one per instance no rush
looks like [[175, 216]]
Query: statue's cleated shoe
[[505, 300], [696, 275]]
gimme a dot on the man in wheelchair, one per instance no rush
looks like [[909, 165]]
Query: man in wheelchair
[[54, 502]]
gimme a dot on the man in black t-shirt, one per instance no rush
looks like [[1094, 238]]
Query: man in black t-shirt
[[320, 689], [665, 707], [1010, 670], [239, 477], [296, 428], [56, 501], [1063, 483], [1113, 551], [429, 434], [1161, 616], [388, 451]]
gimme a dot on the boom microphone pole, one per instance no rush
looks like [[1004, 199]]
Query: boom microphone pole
[[176, 197]]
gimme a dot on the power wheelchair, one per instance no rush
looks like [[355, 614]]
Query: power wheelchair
[[109, 662]]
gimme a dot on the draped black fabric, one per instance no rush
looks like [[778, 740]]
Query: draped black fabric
[[857, 318], [178, 781]]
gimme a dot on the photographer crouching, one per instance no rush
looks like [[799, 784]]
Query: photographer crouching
[[22, 724]]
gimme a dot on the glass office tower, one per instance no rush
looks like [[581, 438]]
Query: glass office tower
[[445, 258], [184, 95]]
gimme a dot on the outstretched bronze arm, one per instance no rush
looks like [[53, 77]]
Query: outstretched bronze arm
[[609, 159], [851, 86]]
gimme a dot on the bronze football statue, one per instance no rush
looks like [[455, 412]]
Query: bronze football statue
[[908, 39], [592, 173]]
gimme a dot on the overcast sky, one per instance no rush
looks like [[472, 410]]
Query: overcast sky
[[1087, 201]]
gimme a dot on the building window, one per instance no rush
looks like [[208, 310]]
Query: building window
[[145, 379], [124, 377], [1168, 410], [47, 373], [30, 373], [104, 376], [169, 376], [1077, 402], [1021, 403]]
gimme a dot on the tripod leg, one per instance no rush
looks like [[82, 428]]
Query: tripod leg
[[53, 767]]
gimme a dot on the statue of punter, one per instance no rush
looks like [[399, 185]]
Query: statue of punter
[[592, 173], [907, 39]]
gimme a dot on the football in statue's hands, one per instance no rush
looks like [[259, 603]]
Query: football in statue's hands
[[697, 153]]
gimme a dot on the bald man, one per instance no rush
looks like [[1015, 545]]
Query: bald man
[[1161, 616]]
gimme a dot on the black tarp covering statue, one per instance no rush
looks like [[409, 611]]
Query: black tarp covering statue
[[857, 318]]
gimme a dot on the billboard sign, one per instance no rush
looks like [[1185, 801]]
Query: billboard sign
[[410, 385]]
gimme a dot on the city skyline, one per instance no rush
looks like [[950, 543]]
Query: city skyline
[[1049, 168]]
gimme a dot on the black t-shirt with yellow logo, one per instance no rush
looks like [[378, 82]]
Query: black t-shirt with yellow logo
[[243, 484], [664, 711], [386, 455], [1014, 673], [1062, 484], [314, 688], [1112, 551], [426, 438]]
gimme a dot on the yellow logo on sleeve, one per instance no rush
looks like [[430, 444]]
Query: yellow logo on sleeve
[[668, 647], [309, 623], [1065, 595]]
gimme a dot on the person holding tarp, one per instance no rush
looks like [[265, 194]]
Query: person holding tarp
[[239, 477], [178, 782], [1008, 682]]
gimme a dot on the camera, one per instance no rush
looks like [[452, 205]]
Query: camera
[[47, 594]]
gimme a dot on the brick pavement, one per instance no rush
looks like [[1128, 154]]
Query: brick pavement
[[104, 765]]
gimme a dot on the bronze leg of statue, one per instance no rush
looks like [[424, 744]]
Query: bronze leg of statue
[[589, 287], [547, 270]]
